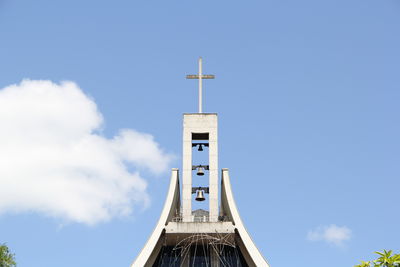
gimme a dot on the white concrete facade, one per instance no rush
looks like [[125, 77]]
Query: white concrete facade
[[200, 123]]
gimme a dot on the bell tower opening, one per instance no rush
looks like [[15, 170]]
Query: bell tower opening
[[200, 136], [200, 174]]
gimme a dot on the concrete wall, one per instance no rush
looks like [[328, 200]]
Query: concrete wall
[[200, 123]]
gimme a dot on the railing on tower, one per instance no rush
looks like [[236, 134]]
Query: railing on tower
[[200, 219]]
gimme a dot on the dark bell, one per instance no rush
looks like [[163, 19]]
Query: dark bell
[[200, 148], [200, 195], [200, 171]]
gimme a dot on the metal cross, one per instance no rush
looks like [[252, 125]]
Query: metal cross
[[200, 76]]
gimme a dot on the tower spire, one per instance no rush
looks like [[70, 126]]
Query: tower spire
[[200, 77]]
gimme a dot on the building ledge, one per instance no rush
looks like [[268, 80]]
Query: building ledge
[[199, 227]]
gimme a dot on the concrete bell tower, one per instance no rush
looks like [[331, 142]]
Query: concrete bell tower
[[200, 129], [186, 237]]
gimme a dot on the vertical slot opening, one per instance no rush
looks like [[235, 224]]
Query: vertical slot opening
[[200, 157]]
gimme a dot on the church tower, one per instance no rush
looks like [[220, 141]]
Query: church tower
[[214, 236]]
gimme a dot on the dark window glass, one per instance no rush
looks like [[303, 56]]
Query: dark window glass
[[200, 256], [168, 257]]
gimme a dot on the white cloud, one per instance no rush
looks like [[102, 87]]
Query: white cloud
[[54, 161], [332, 234]]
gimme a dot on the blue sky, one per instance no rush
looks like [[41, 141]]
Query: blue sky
[[307, 94]]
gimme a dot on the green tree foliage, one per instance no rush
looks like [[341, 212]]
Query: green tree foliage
[[386, 259], [6, 257]]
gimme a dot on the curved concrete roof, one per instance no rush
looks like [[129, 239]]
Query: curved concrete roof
[[149, 253], [228, 205]]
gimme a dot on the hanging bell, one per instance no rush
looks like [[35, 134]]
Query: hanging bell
[[200, 171], [200, 195], [200, 147]]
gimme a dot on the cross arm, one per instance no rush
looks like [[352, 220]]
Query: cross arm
[[205, 76]]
